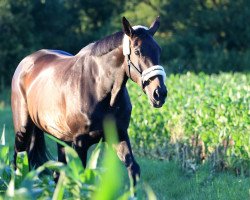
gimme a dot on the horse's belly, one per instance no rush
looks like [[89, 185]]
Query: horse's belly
[[56, 117], [52, 121], [47, 111]]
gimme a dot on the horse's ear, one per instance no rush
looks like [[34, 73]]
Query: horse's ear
[[127, 29], [154, 26]]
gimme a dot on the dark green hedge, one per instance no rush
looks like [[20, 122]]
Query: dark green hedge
[[209, 36]]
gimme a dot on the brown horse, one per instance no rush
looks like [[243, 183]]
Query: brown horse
[[69, 96]]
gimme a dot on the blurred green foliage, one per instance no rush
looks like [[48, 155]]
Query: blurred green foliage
[[209, 35]]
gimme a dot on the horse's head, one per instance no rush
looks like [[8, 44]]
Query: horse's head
[[142, 56]]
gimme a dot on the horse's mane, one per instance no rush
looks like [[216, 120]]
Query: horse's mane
[[107, 44]]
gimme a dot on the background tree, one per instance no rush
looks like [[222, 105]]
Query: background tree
[[195, 35]]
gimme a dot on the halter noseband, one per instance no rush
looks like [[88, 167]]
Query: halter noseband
[[148, 73]]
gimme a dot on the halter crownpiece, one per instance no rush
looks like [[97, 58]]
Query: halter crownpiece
[[155, 70]]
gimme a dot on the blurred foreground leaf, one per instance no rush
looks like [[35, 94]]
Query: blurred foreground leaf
[[110, 183], [22, 165]]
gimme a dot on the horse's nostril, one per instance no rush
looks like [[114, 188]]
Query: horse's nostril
[[156, 94]]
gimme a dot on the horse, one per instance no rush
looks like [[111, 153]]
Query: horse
[[68, 96]]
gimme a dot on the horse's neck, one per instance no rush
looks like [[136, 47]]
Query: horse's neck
[[112, 63], [107, 71]]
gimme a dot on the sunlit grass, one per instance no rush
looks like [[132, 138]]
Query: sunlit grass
[[168, 181]]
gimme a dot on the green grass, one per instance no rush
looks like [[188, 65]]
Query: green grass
[[168, 181]]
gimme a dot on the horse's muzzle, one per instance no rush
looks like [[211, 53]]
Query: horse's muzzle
[[158, 98]]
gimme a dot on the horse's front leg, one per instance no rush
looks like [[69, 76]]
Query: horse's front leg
[[125, 154]]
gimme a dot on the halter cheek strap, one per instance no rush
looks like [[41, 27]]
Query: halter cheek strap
[[155, 70]]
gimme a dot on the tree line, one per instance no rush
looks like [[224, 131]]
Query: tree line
[[195, 35]]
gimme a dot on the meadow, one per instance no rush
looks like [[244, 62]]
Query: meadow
[[196, 147]]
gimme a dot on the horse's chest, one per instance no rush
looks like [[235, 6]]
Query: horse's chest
[[100, 113]]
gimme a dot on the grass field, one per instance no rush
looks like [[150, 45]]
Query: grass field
[[217, 117], [168, 181]]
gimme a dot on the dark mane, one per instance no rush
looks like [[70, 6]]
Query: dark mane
[[107, 44]]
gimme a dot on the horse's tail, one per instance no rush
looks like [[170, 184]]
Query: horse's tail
[[38, 153]]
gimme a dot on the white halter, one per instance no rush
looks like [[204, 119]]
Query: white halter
[[151, 71]]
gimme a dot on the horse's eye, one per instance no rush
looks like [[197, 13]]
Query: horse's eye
[[137, 52]]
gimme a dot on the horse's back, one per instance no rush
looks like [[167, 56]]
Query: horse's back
[[61, 52], [38, 62], [35, 87]]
